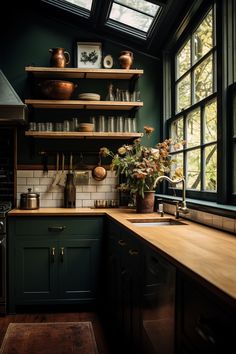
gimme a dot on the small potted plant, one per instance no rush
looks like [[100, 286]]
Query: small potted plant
[[141, 165]]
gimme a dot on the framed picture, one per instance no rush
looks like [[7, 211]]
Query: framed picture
[[89, 55]]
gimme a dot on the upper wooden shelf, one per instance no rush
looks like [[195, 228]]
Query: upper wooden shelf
[[75, 73], [82, 135], [79, 104]]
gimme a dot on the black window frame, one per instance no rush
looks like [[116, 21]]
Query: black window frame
[[193, 194]]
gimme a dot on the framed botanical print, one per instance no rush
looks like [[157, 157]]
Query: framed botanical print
[[89, 55]]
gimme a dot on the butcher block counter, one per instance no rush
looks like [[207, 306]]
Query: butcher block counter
[[205, 251]]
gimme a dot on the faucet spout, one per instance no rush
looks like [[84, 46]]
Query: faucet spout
[[179, 208]]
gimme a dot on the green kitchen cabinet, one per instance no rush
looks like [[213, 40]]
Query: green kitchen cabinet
[[54, 260], [158, 326], [124, 285]]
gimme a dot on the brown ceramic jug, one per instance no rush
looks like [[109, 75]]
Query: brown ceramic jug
[[126, 59], [60, 58]]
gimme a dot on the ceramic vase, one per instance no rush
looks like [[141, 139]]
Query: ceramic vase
[[146, 204], [126, 59]]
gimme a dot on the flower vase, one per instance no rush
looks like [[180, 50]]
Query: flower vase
[[146, 204]]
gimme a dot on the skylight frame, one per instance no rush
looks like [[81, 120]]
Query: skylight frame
[[130, 30], [72, 8]]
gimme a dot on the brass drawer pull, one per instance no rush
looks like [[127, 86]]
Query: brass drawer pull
[[56, 228], [122, 243], [133, 252]]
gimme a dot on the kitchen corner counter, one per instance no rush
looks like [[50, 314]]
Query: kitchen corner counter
[[205, 251]]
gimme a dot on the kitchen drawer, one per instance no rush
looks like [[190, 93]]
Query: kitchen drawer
[[54, 226], [207, 323]]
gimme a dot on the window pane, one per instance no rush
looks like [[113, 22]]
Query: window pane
[[130, 17], [193, 169], [177, 167], [86, 4], [193, 128], [177, 133], [183, 94], [183, 60], [203, 79], [203, 37], [141, 5], [210, 128], [210, 168]]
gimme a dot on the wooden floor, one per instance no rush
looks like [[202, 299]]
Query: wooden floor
[[100, 336]]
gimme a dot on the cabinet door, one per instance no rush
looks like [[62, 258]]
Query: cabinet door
[[158, 304], [205, 322], [79, 269], [35, 271]]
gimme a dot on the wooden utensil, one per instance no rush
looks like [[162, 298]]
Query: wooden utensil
[[62, 180]]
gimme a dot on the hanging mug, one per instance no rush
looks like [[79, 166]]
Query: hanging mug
[[60, 58]]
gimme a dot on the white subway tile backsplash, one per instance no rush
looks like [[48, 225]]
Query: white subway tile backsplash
[[32, 180], [98, 195], [82, 195], [228, 224], [23, 189], [79, 203], [87, 203], [104, 188], [25, 173], [217, 221], [51, 203], [57, 195], [89, 188], [41, 182], [45, 181], [21, 181]]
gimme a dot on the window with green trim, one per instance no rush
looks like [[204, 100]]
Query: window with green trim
[[195, 108]]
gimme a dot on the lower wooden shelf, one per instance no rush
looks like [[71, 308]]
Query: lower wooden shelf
[[82, 135]]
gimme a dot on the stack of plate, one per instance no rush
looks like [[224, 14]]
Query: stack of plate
[[89, 96]]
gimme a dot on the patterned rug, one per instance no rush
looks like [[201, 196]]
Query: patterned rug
[[49, 338]]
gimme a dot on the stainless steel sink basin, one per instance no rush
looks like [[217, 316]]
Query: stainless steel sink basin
[[155, 222]]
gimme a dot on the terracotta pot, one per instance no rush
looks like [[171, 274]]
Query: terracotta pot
[[146, 204], [126, 59]]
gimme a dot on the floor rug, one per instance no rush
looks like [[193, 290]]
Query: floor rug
[[49, 338]]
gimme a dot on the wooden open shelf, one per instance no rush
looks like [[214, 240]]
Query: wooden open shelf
[[79, 104], [82, 135], [75, 73]]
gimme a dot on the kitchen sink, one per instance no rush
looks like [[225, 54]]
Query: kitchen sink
[[156, 222]]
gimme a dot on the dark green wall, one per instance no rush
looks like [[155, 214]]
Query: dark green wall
[[26, 39]]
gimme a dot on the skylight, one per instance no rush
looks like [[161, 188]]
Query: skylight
[[86, 4], [137, 14]]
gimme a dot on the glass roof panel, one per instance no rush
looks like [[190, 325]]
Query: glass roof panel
[[86, 4], [141, 5], [130, 17]]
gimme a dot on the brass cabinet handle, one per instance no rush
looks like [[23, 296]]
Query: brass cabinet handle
[[133, 252], [122, 243], [56, 228], [53, 254], [62, 254]]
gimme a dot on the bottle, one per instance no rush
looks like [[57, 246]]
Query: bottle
[[69, 191]]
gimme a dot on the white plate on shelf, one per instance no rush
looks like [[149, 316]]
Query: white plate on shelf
[[89, 96]]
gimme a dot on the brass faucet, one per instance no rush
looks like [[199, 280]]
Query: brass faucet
[[180, 207]]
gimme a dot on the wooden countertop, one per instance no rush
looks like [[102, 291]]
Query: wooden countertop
[[209, 253]]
